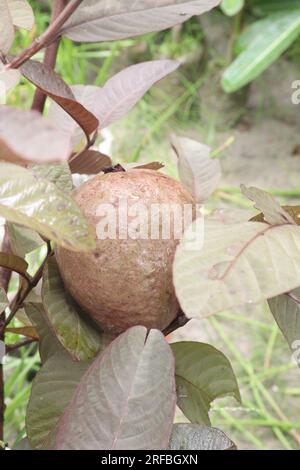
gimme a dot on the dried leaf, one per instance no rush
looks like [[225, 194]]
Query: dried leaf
[[90, 162], [273, 213]]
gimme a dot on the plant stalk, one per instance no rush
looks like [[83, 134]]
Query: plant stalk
[[47, 37], [5, 275], [50, 57]]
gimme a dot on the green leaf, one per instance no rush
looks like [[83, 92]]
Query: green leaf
[[195, 437], [124, 400], [52, 390], [238, 264], [286, 311], [276, 34], [232, 7], [48, 342], [22, 239], [69, 322], [271, 6], [13, 263], [41, 206], [199, 173], [60, 175], [24, 444], [203, 374]]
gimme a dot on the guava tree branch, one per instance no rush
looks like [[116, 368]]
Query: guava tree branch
[[47, 37], [51, 51], [25, 291], [5, 275]]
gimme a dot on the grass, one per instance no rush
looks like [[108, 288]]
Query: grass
[[269, 415]]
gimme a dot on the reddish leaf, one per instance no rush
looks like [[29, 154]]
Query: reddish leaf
[[118, 96], [90, 162], [97, 20], [53, 85], [26, 136]]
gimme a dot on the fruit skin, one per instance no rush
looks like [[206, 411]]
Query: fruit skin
[[125, 282]]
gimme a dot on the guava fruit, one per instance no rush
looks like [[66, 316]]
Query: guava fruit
[[127, 281]]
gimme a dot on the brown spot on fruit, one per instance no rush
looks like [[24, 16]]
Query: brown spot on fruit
[[126, 282]]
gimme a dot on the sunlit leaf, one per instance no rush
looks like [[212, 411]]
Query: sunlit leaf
[[21, 13], [199, 173], [203, 374], [196, 437], [95, 21], [8, 78], [22, 239], [58, 174], [7, 32], [232, 7], [273, 213], [118, 96], [238, 264], [53, 85], [26, 136], [69, 323], [28, 200]]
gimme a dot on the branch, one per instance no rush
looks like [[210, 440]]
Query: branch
[[179, 322], [23, 293], [20, 344], [47, 37], [51, 51], [5, 275]]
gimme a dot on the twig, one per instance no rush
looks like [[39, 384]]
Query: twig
[[23, 293], [47, 37], [179, 321], [20, 344], [89, 142], [5, 275], [51, 51]]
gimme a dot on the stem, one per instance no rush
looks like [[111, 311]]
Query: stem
[[47, 37], [23, 293], [5, 275], [49, 58], [20, 344]]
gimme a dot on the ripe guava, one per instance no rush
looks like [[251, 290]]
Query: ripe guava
[[127, 281]]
